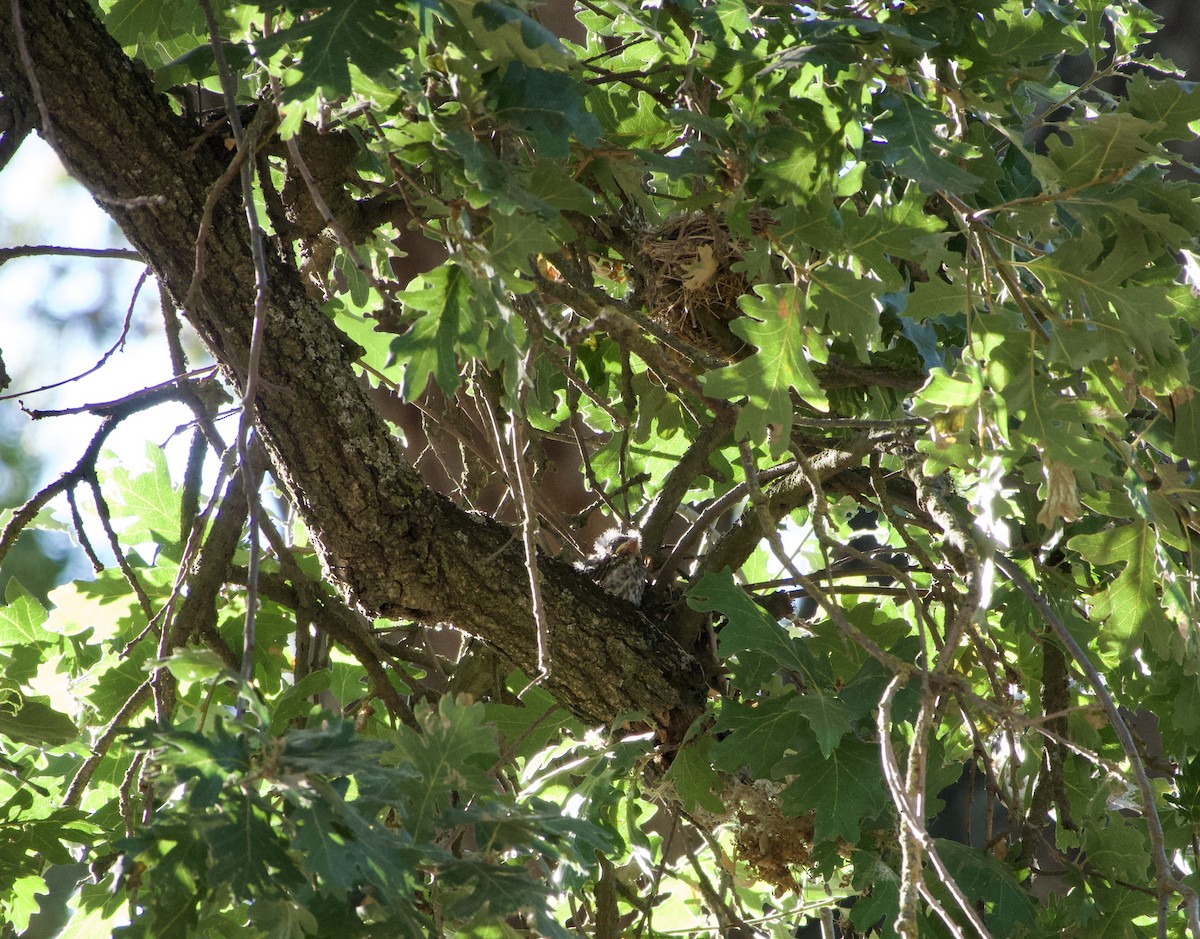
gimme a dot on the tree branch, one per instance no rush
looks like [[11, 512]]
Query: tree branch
[[392, 546]]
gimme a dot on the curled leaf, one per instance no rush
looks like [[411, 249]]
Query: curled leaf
[[1062, 495]]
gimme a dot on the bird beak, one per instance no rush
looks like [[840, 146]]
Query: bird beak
[[629, 547]]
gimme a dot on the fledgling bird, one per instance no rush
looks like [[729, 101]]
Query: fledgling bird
[[617, 565]]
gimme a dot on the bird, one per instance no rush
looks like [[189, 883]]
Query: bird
[[617, 565]]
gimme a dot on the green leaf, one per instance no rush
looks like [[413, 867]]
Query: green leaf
[[253, 858], [1171, 106], [280, 919], [1092, 284], [1122, 911], [759, 643], [447, 325], [1118, 849], [915, 138], [758, 735], [295, 701], [829, 718], [199, 64], [455, 753], [134, 22], [503, 33], [525, 727], [149, 500], [695, 780], [518, 237], [365, 33], [888, 230], [842, 790], [880, 889], [21, 900], [548, 106], [1017, 36], [1129, 605], [987, 881], [324, 846], [779, 324], [21, 618], [846, 305], [192, 664], [1107, 145], [39, 725]]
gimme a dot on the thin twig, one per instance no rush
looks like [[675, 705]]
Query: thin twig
[[81, 532], [712, 512], [114, 544], [529, 531], [47, 126], [332, 222], [27, 512], [679, 480], [246, 146], [169, 390], [100, 748], [119, 344], [35, 85]]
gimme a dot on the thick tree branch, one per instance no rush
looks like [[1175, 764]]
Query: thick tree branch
[[393, 546]]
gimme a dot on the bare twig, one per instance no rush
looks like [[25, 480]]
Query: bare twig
[[714, 510], [169, 390], [26, 513], [681, 478], [103, 359], [246, 147], [331, 221], [81, 532], [114, 544], [104, 741], [31, 251], [918, 840]]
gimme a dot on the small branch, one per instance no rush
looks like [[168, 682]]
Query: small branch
[[788, 494], [715, 509], [100, 748], [253, 133], [81, 532], [169, 390], [331, 221], [35, 85], [32, 251], [339, 623], [114, 544], [679, 480], [26, 513], [529, 532]]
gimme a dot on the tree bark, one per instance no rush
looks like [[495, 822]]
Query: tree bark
[[391, 545]]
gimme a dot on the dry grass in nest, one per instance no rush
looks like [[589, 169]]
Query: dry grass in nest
[[690, 287], [773, 845]]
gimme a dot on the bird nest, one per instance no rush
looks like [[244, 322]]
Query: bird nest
[[691, 288]]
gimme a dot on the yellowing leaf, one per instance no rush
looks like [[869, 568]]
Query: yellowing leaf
[[700, 272], [1062, 495]]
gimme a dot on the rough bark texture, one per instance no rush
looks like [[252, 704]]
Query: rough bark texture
[[392, 546]]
